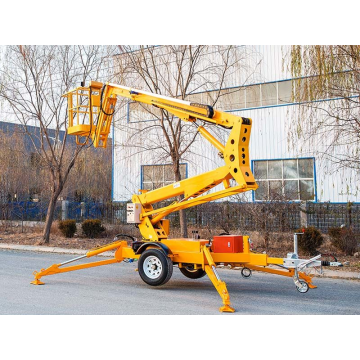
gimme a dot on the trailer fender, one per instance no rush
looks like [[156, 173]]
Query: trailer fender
[[159, 245]]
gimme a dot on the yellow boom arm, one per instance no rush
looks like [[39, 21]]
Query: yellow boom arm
[[91, 110], [90, 114]]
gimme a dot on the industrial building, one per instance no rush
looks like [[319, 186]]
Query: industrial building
[[260, 89]]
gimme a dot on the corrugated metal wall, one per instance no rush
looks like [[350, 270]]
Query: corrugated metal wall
[[269, 140]]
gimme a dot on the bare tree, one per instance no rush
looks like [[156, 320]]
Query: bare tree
[[90, 179], [328, 72], [13, 164], [33, 79], [185, 72]]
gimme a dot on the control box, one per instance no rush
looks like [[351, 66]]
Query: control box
[[228, 244], [133, 213]]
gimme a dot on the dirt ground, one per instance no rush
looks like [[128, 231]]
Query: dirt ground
[[32, 235], [278, 244]]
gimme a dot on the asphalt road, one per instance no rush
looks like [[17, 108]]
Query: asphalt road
[[118, 289]]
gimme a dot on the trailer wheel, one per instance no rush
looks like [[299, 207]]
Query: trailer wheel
[[246, 272], [191, 273], [303, 288], [155, 268]]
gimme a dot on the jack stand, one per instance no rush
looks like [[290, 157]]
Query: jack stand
[[301, 285], [304, 285], [220, 286], [296, 243]]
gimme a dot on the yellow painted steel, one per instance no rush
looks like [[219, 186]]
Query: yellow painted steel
[[90, 111], [211, 139], [186, 252], [284, 272], [237, 167], [220, 286], [57, 269], [89, 117], [122, 251], [90, 114]]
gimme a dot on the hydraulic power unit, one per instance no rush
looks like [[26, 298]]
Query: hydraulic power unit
[[228, 244]]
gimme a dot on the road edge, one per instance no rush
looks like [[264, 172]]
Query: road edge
[[50, 249], [348, 275]]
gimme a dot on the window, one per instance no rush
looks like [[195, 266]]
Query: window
[[228, 99], [195, 98], [233, 98], [288, 179], [250, 96], [156, 176], [276, 93], [285, 92], [268, 94], [138, 112], [253, 96]]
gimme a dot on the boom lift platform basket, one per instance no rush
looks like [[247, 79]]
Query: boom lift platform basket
[[91, 110], [89, 117]]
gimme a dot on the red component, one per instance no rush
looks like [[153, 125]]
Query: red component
[[228, 244]]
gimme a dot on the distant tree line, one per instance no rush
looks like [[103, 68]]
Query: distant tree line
[[24, 177]]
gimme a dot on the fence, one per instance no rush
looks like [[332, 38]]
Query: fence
[[24, 211], [326, 215], [36, 211], [270, 217]]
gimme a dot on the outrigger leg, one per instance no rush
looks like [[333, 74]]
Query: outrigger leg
[[296, 275], [215, 279], [57, 268]]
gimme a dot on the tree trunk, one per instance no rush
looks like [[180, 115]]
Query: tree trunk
[[183, 224], [182, 213], [49, 218]]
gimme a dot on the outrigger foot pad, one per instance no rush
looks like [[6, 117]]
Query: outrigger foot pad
[[37, 282], [227, 308]]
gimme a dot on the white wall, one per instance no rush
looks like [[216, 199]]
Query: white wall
[[269, 138]]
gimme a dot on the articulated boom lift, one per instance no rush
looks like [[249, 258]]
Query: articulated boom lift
[[90, 114]]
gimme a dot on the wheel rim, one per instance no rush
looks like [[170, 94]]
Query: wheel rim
[[246, 272], [152, 267], [303, 288]]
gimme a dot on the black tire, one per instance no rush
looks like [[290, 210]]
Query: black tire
[[246, 272], [192, 274], [155, 268]]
